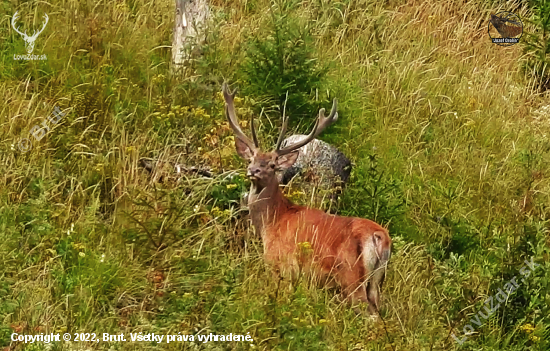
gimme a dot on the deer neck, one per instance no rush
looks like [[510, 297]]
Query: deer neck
[[265, 205]]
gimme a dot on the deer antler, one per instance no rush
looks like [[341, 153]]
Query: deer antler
[[13, 20], [320, 124], [284, 127], [234, 123], [35, 34]]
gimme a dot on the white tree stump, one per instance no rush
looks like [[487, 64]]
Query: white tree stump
[[189, 26]]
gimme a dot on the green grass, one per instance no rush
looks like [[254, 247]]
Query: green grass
[[450, 154]]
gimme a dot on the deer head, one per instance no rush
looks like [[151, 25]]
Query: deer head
[[29, 40], [263, 165]]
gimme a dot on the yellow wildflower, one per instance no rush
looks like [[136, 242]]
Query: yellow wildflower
[[528, 328], [78, 246], [199, 112], [305, 248], [305, 245]]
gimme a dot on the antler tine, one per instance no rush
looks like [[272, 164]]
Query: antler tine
[[284, 127], [35, 34], [254, 136], [13, 20], [320, 124], [299, 144], [326, 121], [232, 117]]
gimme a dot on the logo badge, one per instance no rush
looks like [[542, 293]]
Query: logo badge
[[29, 39], [505, 28]]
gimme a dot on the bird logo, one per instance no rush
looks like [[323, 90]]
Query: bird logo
[[508, 26]]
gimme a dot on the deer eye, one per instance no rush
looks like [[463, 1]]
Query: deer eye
[[272, 165]]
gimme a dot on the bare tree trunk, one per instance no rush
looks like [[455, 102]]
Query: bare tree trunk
[[189, 26]]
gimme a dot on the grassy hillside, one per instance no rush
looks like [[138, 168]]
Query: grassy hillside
[[449, 139]]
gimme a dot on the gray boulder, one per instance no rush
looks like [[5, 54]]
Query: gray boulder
[[318, 160]]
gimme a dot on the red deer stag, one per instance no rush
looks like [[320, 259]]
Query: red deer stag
[[352, 252]]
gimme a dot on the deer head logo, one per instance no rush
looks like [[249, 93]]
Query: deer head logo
[[29, 40]]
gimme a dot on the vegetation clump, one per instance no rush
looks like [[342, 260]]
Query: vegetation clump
[[447, 134]]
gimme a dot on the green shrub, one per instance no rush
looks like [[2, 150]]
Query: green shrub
[[373, 194], [227, 193], [281, 59], [537, 45]]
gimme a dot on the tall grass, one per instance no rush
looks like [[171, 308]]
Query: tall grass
[[448, 137]]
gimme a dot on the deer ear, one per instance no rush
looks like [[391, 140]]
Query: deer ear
[[242, 149], [287, 160]]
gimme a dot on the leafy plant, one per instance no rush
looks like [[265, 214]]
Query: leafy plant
[[530, 300], [537, 44], [228, 193], [373, 195], [280, 60]]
